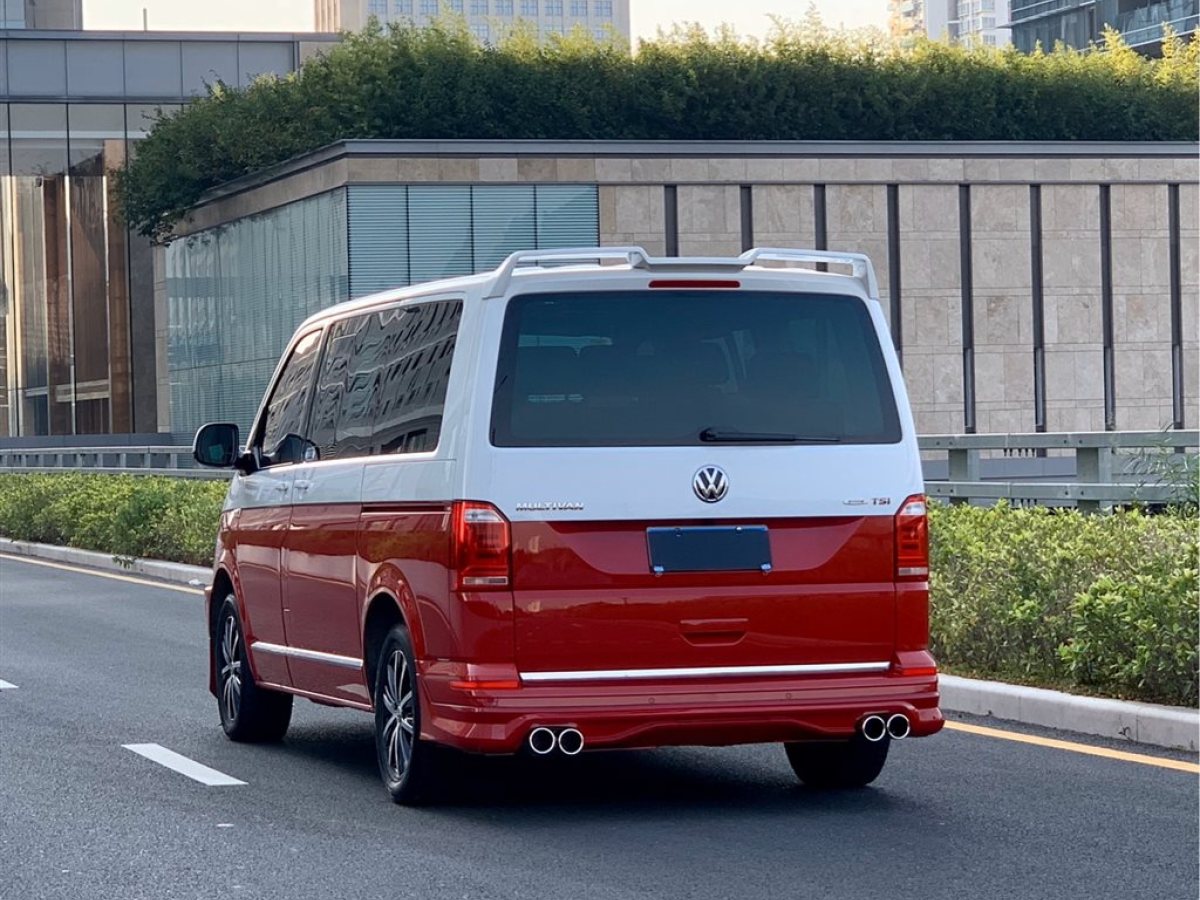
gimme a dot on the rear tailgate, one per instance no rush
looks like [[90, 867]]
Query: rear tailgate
[[586, 596], [624, 421]]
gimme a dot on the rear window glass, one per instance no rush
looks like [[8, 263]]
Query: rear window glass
[[686, 368]]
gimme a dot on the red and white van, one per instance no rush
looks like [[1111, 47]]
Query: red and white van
[[592, 499]]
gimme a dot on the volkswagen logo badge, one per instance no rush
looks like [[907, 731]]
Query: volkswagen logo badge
[[710, 484]]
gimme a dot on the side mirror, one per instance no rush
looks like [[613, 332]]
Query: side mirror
[[217, 445]]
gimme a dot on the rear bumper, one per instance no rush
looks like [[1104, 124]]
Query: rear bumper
[[712, 712]]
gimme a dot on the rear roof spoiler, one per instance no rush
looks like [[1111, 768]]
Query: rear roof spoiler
[[637, 258]]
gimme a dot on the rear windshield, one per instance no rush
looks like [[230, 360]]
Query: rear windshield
[[681, 368]]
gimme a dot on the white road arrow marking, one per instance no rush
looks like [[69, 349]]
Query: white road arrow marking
[[7, 685]]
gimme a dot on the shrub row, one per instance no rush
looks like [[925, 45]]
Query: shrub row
[[1105, 603], [126, 515], [805, 83], [1058, 598]]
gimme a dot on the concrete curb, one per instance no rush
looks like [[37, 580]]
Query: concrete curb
[[1139, 723], [176, 573]]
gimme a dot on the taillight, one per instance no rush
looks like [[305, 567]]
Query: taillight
[[912, 539], [482, 546]]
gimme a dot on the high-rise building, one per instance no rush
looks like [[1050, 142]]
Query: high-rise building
[[1078, 23], [906, 19], [79, 330], [58, 14], [981, 22], [941, 18], [487, 19]]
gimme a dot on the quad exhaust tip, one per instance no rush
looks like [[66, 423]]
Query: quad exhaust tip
[[570, 741], [544, 741], [898, 726], [874, 728]]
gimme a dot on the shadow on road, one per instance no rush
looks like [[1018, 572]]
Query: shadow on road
[[692, 781]]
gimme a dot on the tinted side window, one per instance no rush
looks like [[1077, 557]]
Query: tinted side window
[[383, 381], [288, 405], [348, 383], [420, 347]]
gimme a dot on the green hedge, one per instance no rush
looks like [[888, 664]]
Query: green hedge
[[805, 83], [1100, 603], [1105, 603], [125, 515]]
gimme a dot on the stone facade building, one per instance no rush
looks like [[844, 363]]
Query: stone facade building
[[1028, 286]]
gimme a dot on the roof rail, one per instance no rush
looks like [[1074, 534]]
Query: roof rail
[[637, 258], [859, 263]]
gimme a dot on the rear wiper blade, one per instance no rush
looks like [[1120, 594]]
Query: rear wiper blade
[[713, 435]]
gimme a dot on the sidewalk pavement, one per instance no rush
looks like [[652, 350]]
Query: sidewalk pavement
[[1173, 727]]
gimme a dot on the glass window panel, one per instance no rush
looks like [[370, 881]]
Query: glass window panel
[[237, 293], [331, 384], [39, 138], [503, 223], [418, 351], [96, 138], [368, 350], [288, 405], [619, 368], [568, 215], [378, 220], [140, 117], [440, 231], [4, 163]]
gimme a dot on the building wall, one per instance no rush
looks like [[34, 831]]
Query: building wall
[[235, 293], [78, 324], [487, 19], [60, 14], [1078, 23], [982, 23], [992, 263]]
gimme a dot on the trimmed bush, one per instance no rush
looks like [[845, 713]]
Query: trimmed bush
[[804, 83], [174, 519], [1058, 598]]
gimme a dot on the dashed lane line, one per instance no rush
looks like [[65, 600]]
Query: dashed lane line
[[181, 764], [1072, 747], [83, 570]]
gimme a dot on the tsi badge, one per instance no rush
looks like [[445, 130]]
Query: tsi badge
[[710, 484]]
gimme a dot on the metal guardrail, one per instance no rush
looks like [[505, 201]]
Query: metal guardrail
[[171, 460], [1104, 475], [1105, 469]]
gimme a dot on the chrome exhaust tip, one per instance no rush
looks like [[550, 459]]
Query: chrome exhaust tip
[[570, 741], [873, 728], [542, 740], [898, 726]]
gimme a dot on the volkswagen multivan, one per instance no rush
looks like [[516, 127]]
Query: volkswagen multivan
[[593, 499]]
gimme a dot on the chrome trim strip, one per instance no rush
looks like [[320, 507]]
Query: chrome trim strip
[[347, 662], [705, 672]]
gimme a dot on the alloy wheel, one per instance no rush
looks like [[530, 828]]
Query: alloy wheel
[[230, 669], [398, 732]]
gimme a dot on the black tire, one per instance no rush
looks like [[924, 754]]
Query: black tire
[[410, 767], [249, 713], [828, 765]]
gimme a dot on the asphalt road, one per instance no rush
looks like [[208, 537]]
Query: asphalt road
[[98, 663]]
